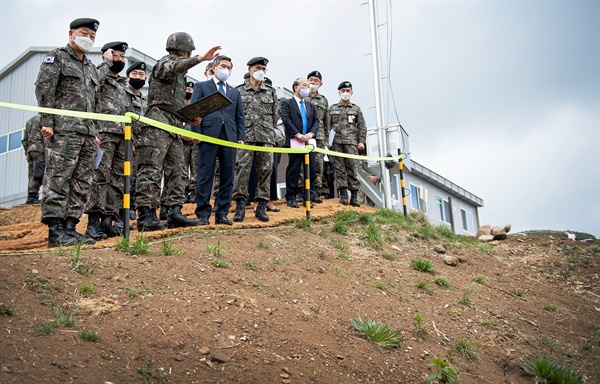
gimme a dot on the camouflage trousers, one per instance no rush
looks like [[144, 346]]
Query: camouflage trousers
[[190, 163], [160, 152], [345, 169], [264, 168], [33, 158], [106, 196], [69, 174], [320, 179]]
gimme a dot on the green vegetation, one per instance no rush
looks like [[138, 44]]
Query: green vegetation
[[447, 373], [215, 250], [263, 245], [62, 318], [467, 348], [381, 285], [135, 291], [388, 256], [168, 249], [122, 244], [425, 286], [420, 326], [377, 332], [220, 263], [251, 265], [465, 300], [422, 265], [140, 246], [86, 289], [89, 335], [551, 307], [302, 224], [372, 232], [442, 282], [480, 279], [6, 310], [548, 372]]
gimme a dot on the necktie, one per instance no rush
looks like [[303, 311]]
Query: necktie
[[304, 119], [221, 89]]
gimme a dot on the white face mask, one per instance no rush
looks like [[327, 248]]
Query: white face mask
[[313, 88], [84, 43], [304, 92], [223, 74], [345, 96], [258, 75]]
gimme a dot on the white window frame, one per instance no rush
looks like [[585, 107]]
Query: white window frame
[[422, 204], [442, 204], [466, 219]]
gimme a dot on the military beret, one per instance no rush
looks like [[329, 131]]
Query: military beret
[[246, 75], [315, 74], [268, 81], [120, 46], [189, 84], [85, 22], [258, 60], [345, 84], [136, 65]]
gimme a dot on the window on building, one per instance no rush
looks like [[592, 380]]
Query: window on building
[[418, 197], [443, 210], [3, 143], [281, 190], [14, 140], [467, 221]]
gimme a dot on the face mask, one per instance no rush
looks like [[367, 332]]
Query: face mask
[[258, 75], [223, 74], [84, 43], [313, 88], [304, 92], [136, 83], [188, 95], [345, 96], [210, 77], [117, 66]]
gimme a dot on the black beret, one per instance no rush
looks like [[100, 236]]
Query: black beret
[[137, 65], [268, 81], [209, 67], [120, 46], [345, 84], [247, 75], [85, 22], [189, 84], [258, 60], [315, 74]]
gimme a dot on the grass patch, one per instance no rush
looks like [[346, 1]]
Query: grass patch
[[422, 265], [263, 245], [467, 348], [220, 263], [277, 261], [379, 334], [550, 372], [6, 310], [442, 282], [86, 289], [372, 232], [338, 244], [251, 265], [488, 324], [465, 300], [388, 256], [136, 291], [480, 279], [551, 307], [382, 286], [168, 249], [425, 286], [140, 246], [215, 250], [302, 224], [122, 244], [89, 335]]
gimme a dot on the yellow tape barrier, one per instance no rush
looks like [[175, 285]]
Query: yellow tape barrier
[[130, 116]]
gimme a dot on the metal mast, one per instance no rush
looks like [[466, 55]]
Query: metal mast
[[381, 129]]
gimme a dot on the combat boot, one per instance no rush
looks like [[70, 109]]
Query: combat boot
[[240, 210], [192, 197], [57, 237], [343, 196], [107, 226], [177, 219], [93, 228], [260, 212], [70, 229], [147, 220], [164, 212], [119, 221], [32, 198], [354, 199]]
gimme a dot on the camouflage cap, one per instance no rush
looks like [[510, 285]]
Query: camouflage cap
[[316, 74], [85, 23], [136, 65], [120, 46], [345, 84], [180, 41], [258, 60]]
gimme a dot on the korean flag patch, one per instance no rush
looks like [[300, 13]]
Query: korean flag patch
[[48, 59]]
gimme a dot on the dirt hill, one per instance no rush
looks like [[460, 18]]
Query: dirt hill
[[246, 304]]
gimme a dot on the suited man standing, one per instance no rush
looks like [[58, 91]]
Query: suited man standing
[[301, 123], [227, 123]]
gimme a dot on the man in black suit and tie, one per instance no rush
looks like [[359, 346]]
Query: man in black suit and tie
[[227, 123], [301, 124]]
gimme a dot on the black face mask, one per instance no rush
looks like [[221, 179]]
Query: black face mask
[[117, 66], [188, 95], [136, 83]]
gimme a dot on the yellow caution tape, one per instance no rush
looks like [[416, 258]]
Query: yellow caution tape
[[129, 116]]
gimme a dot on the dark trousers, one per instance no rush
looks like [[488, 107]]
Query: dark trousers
[[296, 161], [207, 156]]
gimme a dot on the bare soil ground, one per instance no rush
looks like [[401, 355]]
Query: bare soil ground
[[281, 311]]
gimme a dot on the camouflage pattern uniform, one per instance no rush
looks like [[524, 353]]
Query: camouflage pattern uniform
[[106, 196], [159, 149], [349, 125], [66, 82], [261, 110], [137, 104], [322, 105], [190, 163], [34, 145]]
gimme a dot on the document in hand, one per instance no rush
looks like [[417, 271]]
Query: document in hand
[[294, 143], [204, 106]]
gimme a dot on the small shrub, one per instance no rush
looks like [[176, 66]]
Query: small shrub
[[422, 265], [6, 310], [442, 282], [447, 373], [425, 286], [89, 335], [377, 332], [467, 348]]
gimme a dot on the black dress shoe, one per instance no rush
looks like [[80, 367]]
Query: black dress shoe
[[292, 203], [274, 209], [315, 198], [223, 220], [203, 221]]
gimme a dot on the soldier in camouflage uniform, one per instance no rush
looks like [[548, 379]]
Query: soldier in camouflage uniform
[[136, 79], [157, 147], [33, 144], [261, 110], [68, 80], [350, 135], [190, 156], [106, 196]]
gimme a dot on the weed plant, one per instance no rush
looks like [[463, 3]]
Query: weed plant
[[382, 286], [480, 279], [220, 263], [465, 300], [251, 265], [263, 245], [442, 282], [388, 256], [550, 372], [420, 326], [551, 307], [168, 249], [89, 335], [215, 250], [377, 332], [446, 374], [425, 286], [302, 224], [140, 246], [122, 244], [6, 310], [86, 289], [467, 348], [372, 232], [422, 265]]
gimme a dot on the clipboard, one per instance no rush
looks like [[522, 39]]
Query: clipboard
[[204, 106]]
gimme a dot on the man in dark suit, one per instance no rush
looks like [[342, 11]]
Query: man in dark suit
[[301, 124], [227, 123]]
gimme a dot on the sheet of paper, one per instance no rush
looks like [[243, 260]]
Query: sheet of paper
[[294, 143], [99, 153], [331, 136]]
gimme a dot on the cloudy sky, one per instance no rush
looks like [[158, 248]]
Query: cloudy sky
[[500, 97]]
